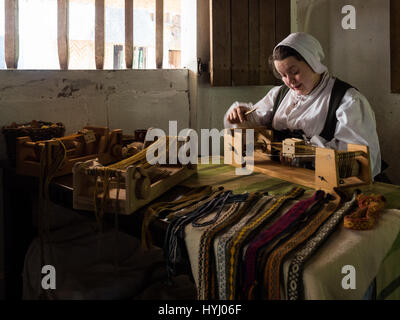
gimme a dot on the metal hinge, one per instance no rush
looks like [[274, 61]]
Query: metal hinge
[[202, 67]]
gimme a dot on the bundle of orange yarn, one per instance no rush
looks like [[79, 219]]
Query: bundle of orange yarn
[[366, 215]]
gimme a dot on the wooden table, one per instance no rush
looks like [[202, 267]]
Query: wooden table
[[19, 194]]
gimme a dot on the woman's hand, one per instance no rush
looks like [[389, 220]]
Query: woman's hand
[[237, 115]]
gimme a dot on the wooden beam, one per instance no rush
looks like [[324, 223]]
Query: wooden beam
[[240, 42], [62, 33], [11, 33], [129, 33], [159, 33], [395, 46], [254, 42], [99, 34], [267, 40], [220, 43]]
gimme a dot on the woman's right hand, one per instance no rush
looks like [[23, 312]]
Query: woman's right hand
[[237, 115]]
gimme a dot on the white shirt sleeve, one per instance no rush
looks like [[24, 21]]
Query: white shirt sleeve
[[356, 124], [261, 116]]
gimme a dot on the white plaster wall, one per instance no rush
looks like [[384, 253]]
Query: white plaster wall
[[125, 99], [362, 58], [214, 101]]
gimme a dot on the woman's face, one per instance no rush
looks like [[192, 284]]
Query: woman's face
[[297, 75]]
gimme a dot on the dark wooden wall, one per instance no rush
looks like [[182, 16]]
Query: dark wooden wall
[[243, 35]]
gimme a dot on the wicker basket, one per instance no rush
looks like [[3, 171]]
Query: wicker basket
[[36, 130]]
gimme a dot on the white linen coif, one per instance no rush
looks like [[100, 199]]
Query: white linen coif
[[308, 47]]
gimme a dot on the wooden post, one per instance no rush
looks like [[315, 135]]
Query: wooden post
[[159, 33], [11, 33], [129, 33], [365, 165], [326, 169], [62, 33], [99, 34]]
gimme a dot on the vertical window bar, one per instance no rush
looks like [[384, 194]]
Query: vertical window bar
[[11, 33], [159, 33], [99, 34], [62, 33], [129, 33]]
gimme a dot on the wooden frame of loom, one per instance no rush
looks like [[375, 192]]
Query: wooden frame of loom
[[94, 142], [326, 174], [131, 192]]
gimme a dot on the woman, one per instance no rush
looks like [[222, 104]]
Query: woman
[[328, 112]]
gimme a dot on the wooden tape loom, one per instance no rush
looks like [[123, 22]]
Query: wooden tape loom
[[125, 186], [89, 143], [331, 169]]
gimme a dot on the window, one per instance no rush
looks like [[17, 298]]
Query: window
[[38, 34], [172, 33], [114, 57], [144, 28], [81, 34], [101, 34]]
